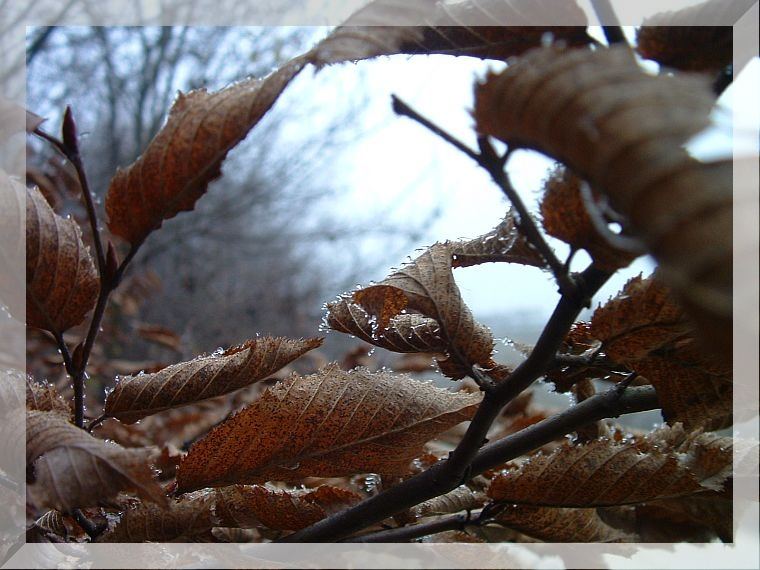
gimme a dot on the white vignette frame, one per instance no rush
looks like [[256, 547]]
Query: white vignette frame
[[741, 554]]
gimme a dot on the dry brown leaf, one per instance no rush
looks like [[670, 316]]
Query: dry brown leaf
[[561, 524], [565, 217], [406, 333], [426, 285], [182, 518], [74, 469], [135, 397], [696, 38], [460, 499], [280, 509], [187, 153], [494, 29], [667, 463], [328, 424], [44, 397], [235, 506], [160, 335], [687, 392], [642, 318], [61, 280], [623, 130], [708, 510], [504, 243]]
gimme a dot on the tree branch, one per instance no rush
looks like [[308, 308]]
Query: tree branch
[[410, 532], [446, 475], [494, 165]]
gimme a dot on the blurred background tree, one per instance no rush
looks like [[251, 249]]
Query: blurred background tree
[[264, 251]]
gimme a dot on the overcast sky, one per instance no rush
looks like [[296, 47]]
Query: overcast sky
[[398, 162]]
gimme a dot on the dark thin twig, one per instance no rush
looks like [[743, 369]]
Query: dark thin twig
[[613, 31], [96, 422], [494, 164], [407, 533], [459, 467]]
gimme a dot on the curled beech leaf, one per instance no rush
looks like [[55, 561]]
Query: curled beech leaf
[[561, 524], [667, 463], [405, 333], [504, 243], [427, 286], [640, 319], [696, 38], [495, 29], [328, 424], [61, 280], [135, 397], [623, 130], [73, 469], [187, 153]]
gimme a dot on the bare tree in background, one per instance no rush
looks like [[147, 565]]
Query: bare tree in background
[[252, 253]]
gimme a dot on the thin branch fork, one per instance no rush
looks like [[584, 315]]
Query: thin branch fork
[[460, 465], [494, 164]]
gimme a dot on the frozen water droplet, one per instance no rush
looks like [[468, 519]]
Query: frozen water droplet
[[218, 351]]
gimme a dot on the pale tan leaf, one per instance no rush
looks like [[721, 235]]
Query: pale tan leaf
[[565, 217], [696, 38], [182, 518], [687, 391], [460, 499], [426, 285], [135, 397], [495, 29], [74, 469], [642, 318], [561, 524], [623, 130], [329, 424], [61, 280], [406, 333], [279, 509], [187, 153], [707, 510], [44, 397], [504, 243], [665, 464], [11, 391]]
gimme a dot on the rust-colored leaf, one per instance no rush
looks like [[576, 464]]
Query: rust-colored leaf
[[135, 397], [61, 280], [687, 391], [44, 397], [426, 285], [494, 29], [328, 424], [623, 130], [642, 318], [696, 38], [73, 469], [406, 333], [561, 524], [565, 217], [183, 518], [504, 243], [665, 464], [280, 509], [187, 153]]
